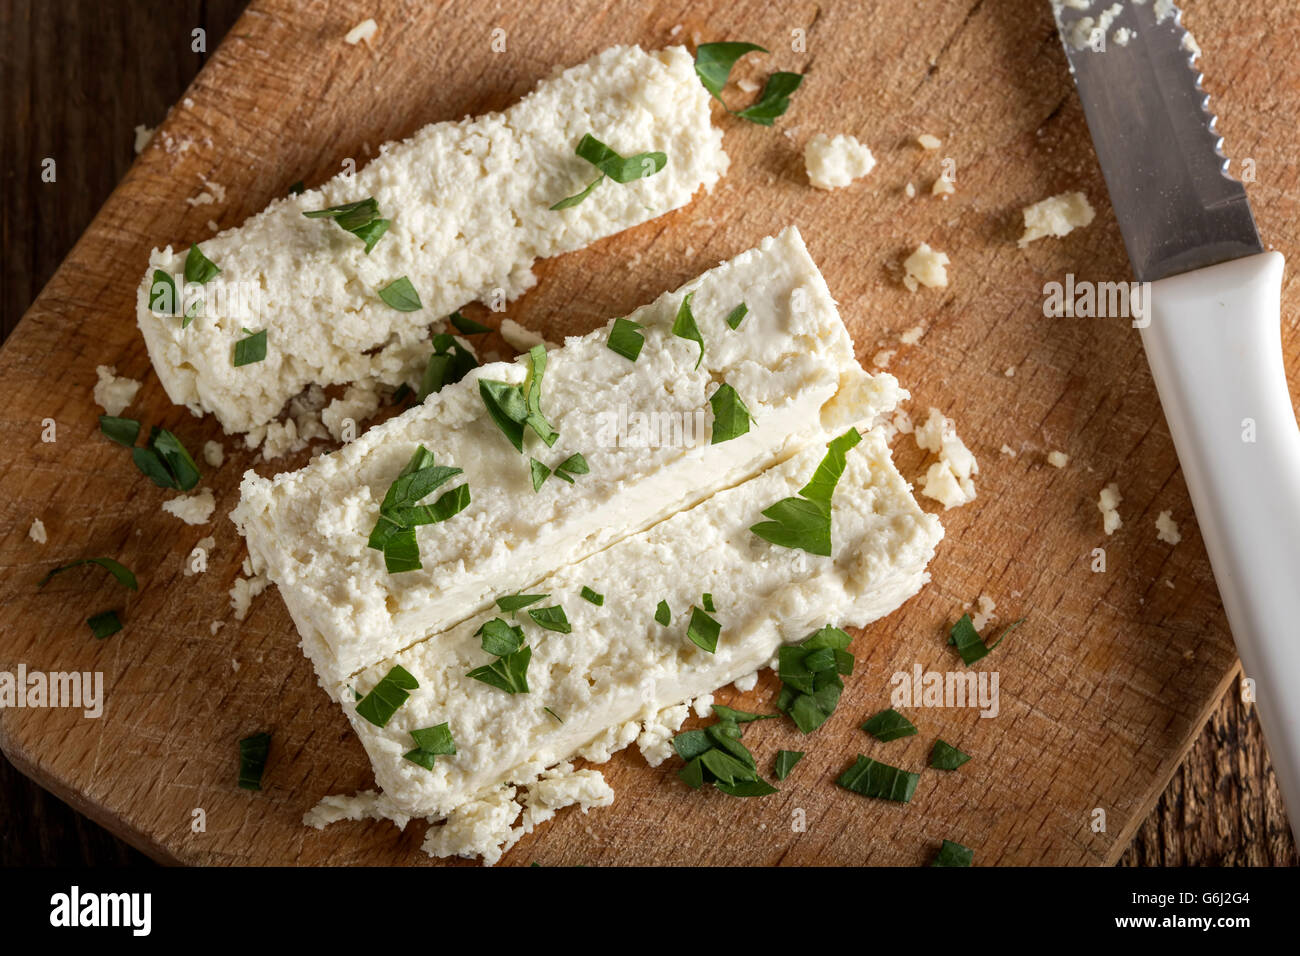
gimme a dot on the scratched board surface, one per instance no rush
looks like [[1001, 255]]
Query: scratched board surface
[[1102, 688]]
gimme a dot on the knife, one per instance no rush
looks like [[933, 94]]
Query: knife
[[1213, 336]]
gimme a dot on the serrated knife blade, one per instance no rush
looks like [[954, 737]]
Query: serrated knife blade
[[1133, 65]]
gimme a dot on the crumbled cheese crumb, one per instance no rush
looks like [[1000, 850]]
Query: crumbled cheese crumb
[[142, 136], [213, 453], [112, 393], [37, 531], [656, 738], [882, 358], [215, 626], [1056, 216], [832, 162], [1107, 503], [909, 191], [950, 479], [747, 683], [362, 31], [610, 742], [244, 590], [192, 509], [703, 705], [358, 403], [521, 338], [925, 267], [929, 141], [1081, 32], [747, 86], [1007, 450], [1122, 36], [943, 187], [1058, 459], [1167, 528], [912, 335], [366, 805], [984, 615], [296, 432], [1010, 371]]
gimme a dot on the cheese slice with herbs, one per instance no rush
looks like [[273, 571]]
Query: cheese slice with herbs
[[590, 689], [468, 204], [645, 429]]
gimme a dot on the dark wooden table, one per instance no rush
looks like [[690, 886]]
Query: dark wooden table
[[76, 77]]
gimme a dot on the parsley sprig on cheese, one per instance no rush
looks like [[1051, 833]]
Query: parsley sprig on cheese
[[401, 513], [575, 464], [400, 294], [430, 744], [514, 407], [449, 363], [621, 169], [715, 755], [731, 417], [685, 326], [509, 672], [361, 218], [198, 267], [810, 677], [251, 348], [713, 64], [387, 696], [805, 522], [626, 339]]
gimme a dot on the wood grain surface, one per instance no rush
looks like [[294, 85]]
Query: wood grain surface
[[1103, 689]]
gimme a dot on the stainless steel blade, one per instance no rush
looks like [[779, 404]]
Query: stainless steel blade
[[1162, 157]]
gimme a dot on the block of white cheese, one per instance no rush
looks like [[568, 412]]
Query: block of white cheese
[[644, 428], [620, 666], [469, 205]]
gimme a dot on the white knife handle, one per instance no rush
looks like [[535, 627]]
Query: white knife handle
[[1215, 348]]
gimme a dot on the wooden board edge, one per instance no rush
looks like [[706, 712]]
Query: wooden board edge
[[1125, 837]]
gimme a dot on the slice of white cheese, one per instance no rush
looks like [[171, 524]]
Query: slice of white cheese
[[644, 429], [619, 666], [469, 204]]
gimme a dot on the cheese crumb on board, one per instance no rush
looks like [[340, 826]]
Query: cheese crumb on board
[[469, 205], [1010, 371], [703, 705], [929, 141], [244, 590], [192, 509], [747, 683], [1056, 216], [520, 338], [909, 191], [37, 531], [113, 393], [142, 136], [656, 738], [984, 615], [927, 267], [362, 31], [1107, 503], [366, 805], [833, 162], [949, 480], [1058, 459], [883, 357], [213, 453], [199, 556], [1007, 450], [1167, 528], [943, 187], [912, 335], [1122, 36]]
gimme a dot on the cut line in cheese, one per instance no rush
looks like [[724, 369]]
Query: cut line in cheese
[[619, 666], [791, 361], [469, 204]]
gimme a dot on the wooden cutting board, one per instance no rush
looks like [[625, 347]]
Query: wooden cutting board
[[1101, 689]]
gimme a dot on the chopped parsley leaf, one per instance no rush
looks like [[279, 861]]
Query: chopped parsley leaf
[[703, 630], [626, 339], [953, 854], [104, 624], [449, 362], [805, 522], [889, 725], [730, 416], [944, 756], [361, 218], [810, 678], [253, 752], [621, 169], [737, 315], [551, 618], [198, 267], [517, 602], [589, 595], [785, 761], [685, 327], [871, 778], [123, 574], [663, 614], [250, 349], [387, 696], [400, 294], [466, 326]]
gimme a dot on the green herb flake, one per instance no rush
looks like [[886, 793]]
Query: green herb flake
[[448, 363], [775, 99], [730, 416], [715, 755], [785, 761], [736, 316], [517, 602], [253, 752], [162, 294], [626, 339], [889, 725], [539, 473], [739, 716], [124, 431], [466, 326], [621, 169], [400, 513], [298, 188], [551, 618], [508, 673], [810, 677], [703, 630], [575, 464], [513, 407], [250, 349], [361, 218], [553, 714], [805, 522], [400, 294], [104, 624], [387, 696], [500, 638], [663, 614], [592, 597], [944, 756], [123, 575], [707, 602], [714, 62], [953, 854], [685, 327], [430, 743], [198, 267], [871, 778]]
